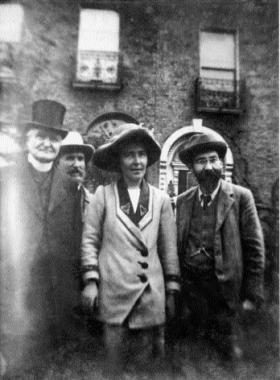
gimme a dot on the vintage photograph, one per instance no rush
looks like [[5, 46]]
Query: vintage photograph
[[139, 190]]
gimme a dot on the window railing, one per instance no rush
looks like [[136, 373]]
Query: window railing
[[98, 70], [220, 95]]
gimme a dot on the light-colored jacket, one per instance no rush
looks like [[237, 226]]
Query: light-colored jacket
[[238, 241], [114, 250]]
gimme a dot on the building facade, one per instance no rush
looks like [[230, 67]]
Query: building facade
[[162, 63]]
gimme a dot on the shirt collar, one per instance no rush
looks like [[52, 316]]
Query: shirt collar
[[213, 194], [40, 166]]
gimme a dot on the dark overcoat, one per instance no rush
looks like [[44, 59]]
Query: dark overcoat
[[238, 241], [40, 254]]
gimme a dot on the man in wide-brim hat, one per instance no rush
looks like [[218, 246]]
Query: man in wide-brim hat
[[74, 156], [129, 256], [71, 165], [220, 245], [38, 242]]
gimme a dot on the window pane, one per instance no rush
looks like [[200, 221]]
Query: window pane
[[98, 46], [11, 20], [217, 50], [99, 30]]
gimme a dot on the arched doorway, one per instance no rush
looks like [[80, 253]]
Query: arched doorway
[[174, 176]]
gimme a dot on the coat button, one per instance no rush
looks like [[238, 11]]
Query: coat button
[[143, 265], [144, 252], [143, 277]]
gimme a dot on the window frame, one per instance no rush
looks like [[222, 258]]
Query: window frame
[[238, 85], [99, 84]]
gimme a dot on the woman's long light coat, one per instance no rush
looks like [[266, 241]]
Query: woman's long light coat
[[114, 250]]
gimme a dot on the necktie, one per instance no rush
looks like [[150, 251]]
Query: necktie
[[205, 198]]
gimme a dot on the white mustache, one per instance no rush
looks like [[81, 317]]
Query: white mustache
[[46, 150]]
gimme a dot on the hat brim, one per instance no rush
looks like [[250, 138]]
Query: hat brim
[[106, 157], [85, 148], [29, 125], [187, 155]]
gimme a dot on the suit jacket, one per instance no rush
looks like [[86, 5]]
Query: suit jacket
[[238, 241], [132, 261], [40, 253]]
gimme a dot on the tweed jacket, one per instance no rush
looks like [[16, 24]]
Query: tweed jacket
[[238, 241], [133, 262], [40, 252]]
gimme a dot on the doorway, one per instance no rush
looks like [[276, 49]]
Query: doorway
[[174, 174]]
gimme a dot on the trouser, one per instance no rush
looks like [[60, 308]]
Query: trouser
[[123, 344], [211, 315]]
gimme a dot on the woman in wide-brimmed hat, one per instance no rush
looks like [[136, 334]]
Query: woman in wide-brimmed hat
[[129, 253]]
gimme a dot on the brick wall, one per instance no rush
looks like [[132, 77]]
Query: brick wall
[[159, 43]]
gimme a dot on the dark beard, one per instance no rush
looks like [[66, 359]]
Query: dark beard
[[209, 178]]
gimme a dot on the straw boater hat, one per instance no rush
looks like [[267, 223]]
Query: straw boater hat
[[201, 143], [48, 115], [106, 157], [73, 142]]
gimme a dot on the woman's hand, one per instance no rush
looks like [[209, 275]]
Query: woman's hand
[[89, 296]]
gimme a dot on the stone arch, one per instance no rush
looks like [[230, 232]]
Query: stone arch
[[170, 165]]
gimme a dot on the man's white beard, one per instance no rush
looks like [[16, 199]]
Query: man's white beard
[[38, 165]]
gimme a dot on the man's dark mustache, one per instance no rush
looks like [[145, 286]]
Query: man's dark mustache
[[209, 175], [76, 171]]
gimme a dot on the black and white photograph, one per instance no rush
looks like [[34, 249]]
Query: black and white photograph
[[139, 190]]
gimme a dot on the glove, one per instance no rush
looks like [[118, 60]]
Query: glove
[[248, 305]]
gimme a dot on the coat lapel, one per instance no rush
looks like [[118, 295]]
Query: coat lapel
[[185, 214], [145, 205], [225, 201], [58, 193], [143, 215], [28, 188], [122, 214]]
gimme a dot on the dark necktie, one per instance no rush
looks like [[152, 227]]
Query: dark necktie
[[205, 198]]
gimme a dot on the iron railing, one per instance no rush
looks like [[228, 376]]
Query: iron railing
[[220, 95]]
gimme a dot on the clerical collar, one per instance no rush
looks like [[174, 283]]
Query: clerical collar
[[40, 166], [212, 195]]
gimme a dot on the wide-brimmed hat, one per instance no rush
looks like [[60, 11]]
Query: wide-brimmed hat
[[74, 142], [47, 114], [201, 143], [106, 157]]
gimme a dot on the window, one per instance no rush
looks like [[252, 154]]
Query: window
[[218, 84], [98, 49], [11, 30]]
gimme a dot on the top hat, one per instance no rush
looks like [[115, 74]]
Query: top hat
[[106, 157], [47, 114], [73, 142], [201, 143]]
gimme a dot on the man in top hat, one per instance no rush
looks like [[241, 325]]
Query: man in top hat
[[220, 245], [37, 224]]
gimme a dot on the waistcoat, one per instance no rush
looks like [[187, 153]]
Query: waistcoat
[[199, 244]]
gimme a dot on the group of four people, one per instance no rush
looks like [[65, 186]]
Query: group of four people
[[118, 250]]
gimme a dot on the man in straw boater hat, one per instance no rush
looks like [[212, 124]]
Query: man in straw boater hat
[[72, 161], [129, 255], [37, 219], [220, 245], [74, 156]]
